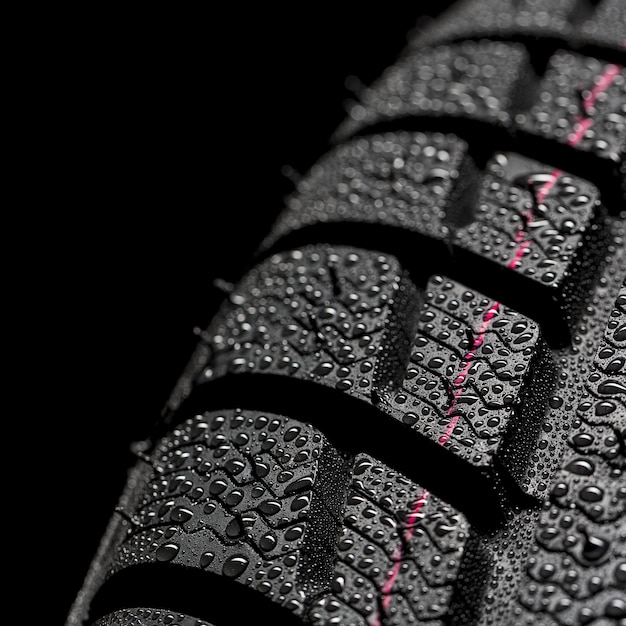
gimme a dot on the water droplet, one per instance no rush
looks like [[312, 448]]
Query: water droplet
[[361, 466], [580, 466], [467, 398], [616, 607], [235, 466], [292, 433], [285, 476], [345, 544], [235, 566], [620, 333], [267, 542], [409, 418], [605, 407], [591, 494], [583, 439], [302, 484], [294, 533], [327, 313], [519, 327], [270, 507], [167, 552], [323, 369], [611, 386], [218, 486], [547, 570], [299, 503], [616, 364], [261, 469], [234, 529], [338, 584], [206, 559], [181, 514], [234, 497], [595, 548], [442, 529], [523, 338]]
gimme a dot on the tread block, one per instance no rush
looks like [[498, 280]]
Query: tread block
[[400, 553], [607, 27], [581, 105], [149, 617], [500, 18], [579, 22], [576, 569], [322, 314], [415, 181], [472, 80], [478, 380], [464, 372], [250, 497], [545, 226]]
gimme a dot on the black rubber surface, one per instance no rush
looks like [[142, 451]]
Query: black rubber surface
[[409, 410]]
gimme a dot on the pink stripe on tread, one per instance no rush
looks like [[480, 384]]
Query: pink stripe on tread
[[519, 253], [413, 515], [468, 358], [580, 128], [546, 187], [604, 82], [459, 381]]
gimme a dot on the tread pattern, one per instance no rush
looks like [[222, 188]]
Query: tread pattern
[[478, 370], [581, 104], [539, 224], [576, 572], [265, 501], [149, 617], [463, 371], [574, 111], [474, 80], [573, 21], [399, 553], [412, 409], [404, 180], [607, 27], [234, 493], [341, 305], [542, 224]]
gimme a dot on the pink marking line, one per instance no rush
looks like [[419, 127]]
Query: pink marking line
[[580, 128], [545, 189], [468, 358], [603, 83], [412, 517], [399, 553]]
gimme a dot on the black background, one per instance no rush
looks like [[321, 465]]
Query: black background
[[163, 139]]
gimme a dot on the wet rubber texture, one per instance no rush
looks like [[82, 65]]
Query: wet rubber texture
[[412, 408]]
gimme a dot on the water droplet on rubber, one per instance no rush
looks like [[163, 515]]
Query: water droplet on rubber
[[167, 552], [181, 514], [235, 566], [206, 559]]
